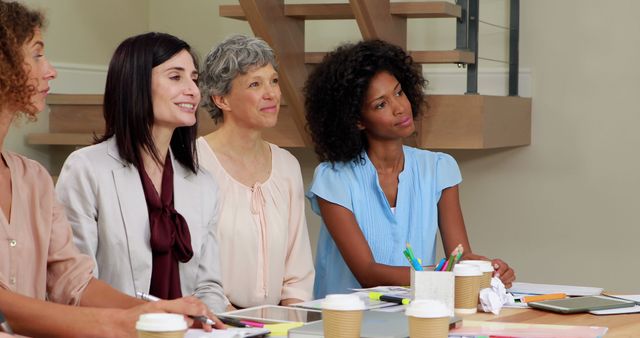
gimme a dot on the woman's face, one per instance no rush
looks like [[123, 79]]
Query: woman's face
[[254, 99], [39, 70], [386, 111], [174, 92]]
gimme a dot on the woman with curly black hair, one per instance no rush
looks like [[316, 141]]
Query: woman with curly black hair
[[375, 194]]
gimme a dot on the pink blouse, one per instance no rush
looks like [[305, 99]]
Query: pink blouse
[[262, 232], [37, 255]]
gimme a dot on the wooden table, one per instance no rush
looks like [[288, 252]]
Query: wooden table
[[627, 325]]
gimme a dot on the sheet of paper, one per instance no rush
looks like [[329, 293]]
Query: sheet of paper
[[228, 333], [516, 305], [397, 308], [386, 289], [634, 309], [541, 289], [368, 303], [635, 298]]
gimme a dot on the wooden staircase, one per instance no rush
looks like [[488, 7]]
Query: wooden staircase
[[451, 122], [469, 121]]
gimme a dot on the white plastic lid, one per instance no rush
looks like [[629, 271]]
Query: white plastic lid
[[484, 266], [466, 270], [161, 322], [427, 308], [343, 302]]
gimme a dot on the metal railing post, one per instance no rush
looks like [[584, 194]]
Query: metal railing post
[[514, 50]]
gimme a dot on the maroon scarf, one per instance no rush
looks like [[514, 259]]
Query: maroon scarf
[[170, 237]]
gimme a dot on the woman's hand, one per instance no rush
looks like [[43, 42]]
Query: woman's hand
[[504, 272], [121, 323], [501, 269]]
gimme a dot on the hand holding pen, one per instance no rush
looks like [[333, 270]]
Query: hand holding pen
[[206, 322]]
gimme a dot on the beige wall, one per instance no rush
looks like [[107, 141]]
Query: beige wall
[[87, 31], [561, 210], [196, 21], [565, 208], [80, 34]]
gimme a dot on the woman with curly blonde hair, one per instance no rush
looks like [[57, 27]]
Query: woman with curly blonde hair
[[39, 264]]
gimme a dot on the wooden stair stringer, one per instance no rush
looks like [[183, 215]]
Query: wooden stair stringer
[[286, 36]]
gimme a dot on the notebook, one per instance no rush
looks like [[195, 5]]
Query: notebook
[[542, 289], [228, 333], [470, 328], [375, 324]]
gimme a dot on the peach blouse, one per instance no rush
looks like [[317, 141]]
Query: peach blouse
[[262, 232], [37, 255]]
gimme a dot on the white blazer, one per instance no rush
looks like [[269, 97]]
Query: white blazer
[[106, 207]]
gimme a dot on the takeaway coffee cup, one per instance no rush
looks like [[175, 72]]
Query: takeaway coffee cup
[[161, 325], [342, 316], [467, 288], [428, 318], [487, 271]]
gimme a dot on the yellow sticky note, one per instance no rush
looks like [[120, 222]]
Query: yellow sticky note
[[281, 329]]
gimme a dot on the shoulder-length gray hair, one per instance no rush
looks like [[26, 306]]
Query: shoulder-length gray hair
[[235, 55]]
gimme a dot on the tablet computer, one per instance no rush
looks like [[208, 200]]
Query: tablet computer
[[276, 314], [581, 304]]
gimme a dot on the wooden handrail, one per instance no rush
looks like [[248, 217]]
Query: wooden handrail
[[425, 57]]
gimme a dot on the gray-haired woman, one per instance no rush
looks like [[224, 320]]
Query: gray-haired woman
[[262, 231]]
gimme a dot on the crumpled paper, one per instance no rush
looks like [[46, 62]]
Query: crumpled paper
[[494, 298]]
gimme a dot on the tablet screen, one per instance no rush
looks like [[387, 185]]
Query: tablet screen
[[277, 314]]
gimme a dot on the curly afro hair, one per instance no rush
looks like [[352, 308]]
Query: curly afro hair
[[17, 27], [335, 91]]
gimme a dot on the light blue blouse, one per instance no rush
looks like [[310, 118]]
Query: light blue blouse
[[355, 186]]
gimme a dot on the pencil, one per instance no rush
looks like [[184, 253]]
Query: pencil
[[540, 298], [452, 258]]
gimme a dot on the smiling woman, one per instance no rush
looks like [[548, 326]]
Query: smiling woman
[[262, 221], [137, 201]]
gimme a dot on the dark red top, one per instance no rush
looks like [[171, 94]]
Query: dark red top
[[170, 237]]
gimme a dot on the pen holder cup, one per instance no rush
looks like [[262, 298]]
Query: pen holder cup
[[434, 285]]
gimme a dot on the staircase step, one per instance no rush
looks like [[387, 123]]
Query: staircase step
[[426, 9], [475, 122], [426, 57], [443, 56], [60, 139], [451, 122], [74, 119]]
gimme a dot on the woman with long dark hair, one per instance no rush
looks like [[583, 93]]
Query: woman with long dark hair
[[137, 201]]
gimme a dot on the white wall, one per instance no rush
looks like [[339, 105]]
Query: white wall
[[561, 210]]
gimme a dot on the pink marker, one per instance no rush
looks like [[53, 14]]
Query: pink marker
[[252, 324]]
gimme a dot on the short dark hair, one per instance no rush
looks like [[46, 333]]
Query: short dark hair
[[335, 91], [128, 107], [18, 25]]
